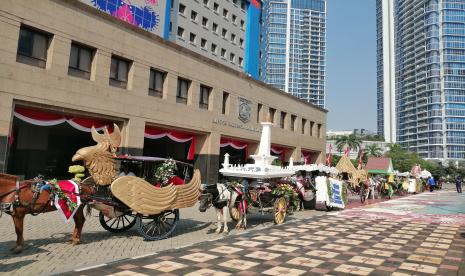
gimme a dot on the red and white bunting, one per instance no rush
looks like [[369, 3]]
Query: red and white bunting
[[176, 136]]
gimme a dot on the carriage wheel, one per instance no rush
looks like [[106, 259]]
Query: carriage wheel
[[280, 209], [363, 193], [117, 224], [157, 227], [234, 212]]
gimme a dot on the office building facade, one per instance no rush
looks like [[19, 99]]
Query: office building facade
[[429, 41], [293, 47], [225, 31]]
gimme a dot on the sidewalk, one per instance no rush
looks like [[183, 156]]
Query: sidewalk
[[358, 241]]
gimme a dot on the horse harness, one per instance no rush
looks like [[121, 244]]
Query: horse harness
[[37, 187], [217, 202]]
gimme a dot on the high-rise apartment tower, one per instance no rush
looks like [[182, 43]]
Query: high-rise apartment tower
[[429, 90], [293, 47]]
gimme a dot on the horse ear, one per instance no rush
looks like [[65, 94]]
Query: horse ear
[[115, 136], [97, 136]]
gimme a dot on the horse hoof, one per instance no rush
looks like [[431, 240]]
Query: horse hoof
[[17, 249], [225, 233]]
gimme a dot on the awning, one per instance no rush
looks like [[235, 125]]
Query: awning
[[307, 156], [176, 136], [47, 118], [239, 145], [278, 151]]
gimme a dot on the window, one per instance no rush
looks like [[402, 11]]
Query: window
[[192, 37], [311, 127], [215, 27], [224, 32], [283, 119], [204, 21], [319, 130], [233, 38], [225, 13], [223, 52], [241, 42], [224, 108], [243, 5], [271, 113], [304, 125], [233, 18], [259, 111], [203, 43], [216, 6], [32, 47], [204, 96], [119, 70], [205, 2], [183, 90], [232, 57], [241, 61], [293, 117], [242, 24], [157, 79], [213, 48], [194, 15], [182, 9], [180, 32], [80, 61]]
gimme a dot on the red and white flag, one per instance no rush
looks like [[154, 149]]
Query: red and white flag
[[347, 151], [360, 159], [329, 159]]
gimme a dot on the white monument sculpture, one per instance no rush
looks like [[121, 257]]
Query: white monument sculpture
[[262, 167]]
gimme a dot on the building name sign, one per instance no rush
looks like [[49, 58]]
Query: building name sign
[[235, 125]]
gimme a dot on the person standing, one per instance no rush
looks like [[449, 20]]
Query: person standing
[[431, 184], [458, 184]]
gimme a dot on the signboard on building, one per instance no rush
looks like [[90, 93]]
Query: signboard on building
[[145, 14]]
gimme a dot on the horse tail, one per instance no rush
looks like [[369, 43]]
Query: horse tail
[[88, 210]]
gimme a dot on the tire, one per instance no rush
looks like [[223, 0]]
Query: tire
[[280, 210], [123, 222], [234, 212], [157, 227]]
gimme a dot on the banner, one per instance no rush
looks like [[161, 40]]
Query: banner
[[336, 197]]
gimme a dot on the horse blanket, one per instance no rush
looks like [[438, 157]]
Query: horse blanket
[[71, 190]]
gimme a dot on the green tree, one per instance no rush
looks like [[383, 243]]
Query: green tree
[[351, 141], [373, 150]]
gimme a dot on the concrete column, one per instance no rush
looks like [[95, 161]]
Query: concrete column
[[194, 94], [6, 111], [133, 136], [170, 87], [208, 156]]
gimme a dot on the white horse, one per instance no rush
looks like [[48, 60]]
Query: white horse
[[218, 196]]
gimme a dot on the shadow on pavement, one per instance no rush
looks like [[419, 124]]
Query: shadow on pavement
[[14, 266]]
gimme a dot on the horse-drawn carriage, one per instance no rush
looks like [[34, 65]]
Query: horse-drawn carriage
[[139, 200], [251, 188], [122, 201]]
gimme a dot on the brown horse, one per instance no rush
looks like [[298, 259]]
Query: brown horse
[[18, 202], [17, 198]]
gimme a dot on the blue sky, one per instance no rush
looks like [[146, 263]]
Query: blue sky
[[351, 64]]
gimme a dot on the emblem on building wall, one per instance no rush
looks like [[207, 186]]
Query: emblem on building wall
[[245, 107]]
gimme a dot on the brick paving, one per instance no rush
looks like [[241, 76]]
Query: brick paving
[[335, 244], [48, 252]]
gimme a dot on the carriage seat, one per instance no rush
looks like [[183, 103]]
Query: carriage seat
[[175, 180]]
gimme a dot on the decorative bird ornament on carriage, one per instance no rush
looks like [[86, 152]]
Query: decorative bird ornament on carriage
[[122, 201]]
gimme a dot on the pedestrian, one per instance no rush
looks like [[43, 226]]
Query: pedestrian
[[431, 183], [458, 184]]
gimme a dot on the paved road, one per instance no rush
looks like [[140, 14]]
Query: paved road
[[418, 235], [48, 252]]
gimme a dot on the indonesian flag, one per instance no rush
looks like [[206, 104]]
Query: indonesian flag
[[360, 159], [329, 159]]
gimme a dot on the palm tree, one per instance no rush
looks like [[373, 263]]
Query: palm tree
[[373, 150], [351, 141]]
